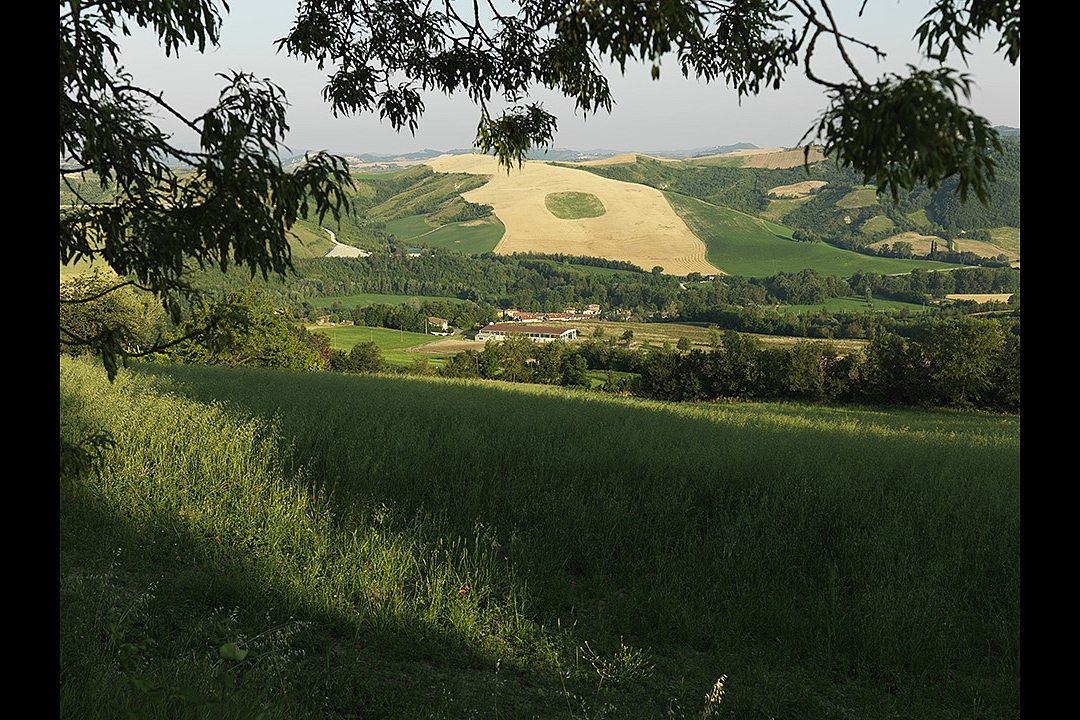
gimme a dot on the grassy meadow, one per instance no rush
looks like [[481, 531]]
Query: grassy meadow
[[289, 545], [473, 237], [741, 244], [394, 344], [574, 205]]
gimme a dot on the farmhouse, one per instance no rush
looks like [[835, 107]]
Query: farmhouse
[[536, 333]]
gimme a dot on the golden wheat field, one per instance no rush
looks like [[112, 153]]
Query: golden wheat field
[[638, 224]]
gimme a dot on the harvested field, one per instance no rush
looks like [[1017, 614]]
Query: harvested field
[[623, 159], [639, 225], [798, 190], [920, 244], [777, 158], [981, 297], [984, 249]]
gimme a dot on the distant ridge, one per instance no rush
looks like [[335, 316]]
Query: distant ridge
[[362, 160]]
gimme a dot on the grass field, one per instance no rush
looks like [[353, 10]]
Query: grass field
[[574, 205], [398, 548], [308, 240], [740, 244], [395, 344], [473, 237]]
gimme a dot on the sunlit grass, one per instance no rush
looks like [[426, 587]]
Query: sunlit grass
[[441, 548]]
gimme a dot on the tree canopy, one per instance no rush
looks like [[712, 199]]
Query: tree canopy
[[160, 207], [383, 55]]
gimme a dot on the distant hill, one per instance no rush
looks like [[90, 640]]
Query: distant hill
[[369, 161], [600, 203]]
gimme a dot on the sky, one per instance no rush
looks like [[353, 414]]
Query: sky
[[672, 113]]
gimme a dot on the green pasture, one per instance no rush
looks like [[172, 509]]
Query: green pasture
[[290, 545], [473, 237], [395, 344], [741, 244], [574, 205]]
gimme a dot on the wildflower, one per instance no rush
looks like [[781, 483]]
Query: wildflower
[[178, 558]]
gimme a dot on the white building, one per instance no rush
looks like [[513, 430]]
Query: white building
[[536, 333]]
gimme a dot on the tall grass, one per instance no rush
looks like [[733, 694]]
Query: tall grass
[[598, 552]]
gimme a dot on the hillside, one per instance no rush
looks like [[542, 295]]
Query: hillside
[[637, 225], [401, 548], [755, 203]]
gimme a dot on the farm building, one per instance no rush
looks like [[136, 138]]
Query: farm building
[[536, 333]]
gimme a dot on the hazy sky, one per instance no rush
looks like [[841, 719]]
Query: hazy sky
[[670, 114]]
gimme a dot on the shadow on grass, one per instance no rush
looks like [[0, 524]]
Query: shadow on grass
[[841, 548]]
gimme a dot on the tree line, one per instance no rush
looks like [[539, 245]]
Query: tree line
[[963, 362], [966, 363]]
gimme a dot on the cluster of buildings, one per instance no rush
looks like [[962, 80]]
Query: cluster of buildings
[[591, 312], [528, 324]]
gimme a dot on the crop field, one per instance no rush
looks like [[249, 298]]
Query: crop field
[[638, 226], [920, 244], [779, 158], [797, 190], [324, 546], [744, 245], [985, 249]]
